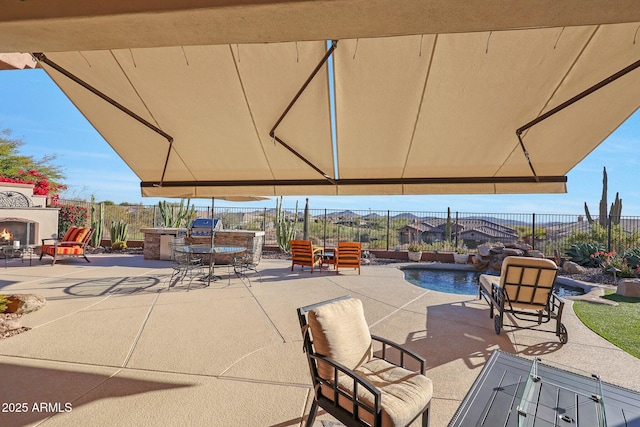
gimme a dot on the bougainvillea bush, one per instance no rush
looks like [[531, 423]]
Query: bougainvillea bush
[[71, 215], [42, 185]]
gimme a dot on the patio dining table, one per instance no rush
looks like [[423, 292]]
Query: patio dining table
[[204, 249]]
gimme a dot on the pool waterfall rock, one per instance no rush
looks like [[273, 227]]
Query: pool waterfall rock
[[491, 256]]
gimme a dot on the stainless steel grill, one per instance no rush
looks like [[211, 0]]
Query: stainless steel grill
[[201, 227]]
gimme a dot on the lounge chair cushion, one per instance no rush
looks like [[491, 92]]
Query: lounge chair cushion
[[62, 250], [340, 332], [404, 393]]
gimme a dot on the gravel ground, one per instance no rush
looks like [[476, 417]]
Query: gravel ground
[[10, 325], [593, 275]]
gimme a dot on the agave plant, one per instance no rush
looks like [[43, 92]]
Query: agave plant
[[632, 257], [586, 254]]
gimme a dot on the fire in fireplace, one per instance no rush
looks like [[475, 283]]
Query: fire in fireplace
[[14, 230]]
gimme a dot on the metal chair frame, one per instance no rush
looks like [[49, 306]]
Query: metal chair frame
[[184, 265], [246, 262], [351, 418], [499, 299]]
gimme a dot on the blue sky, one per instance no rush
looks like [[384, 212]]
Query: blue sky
[[37, 112]]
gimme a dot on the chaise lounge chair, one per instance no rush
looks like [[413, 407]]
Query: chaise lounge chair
[[74, 243], [524, 290]]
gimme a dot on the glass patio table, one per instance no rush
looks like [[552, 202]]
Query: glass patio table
[[205, 249]]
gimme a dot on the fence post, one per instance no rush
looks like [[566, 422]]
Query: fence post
[[533, 231], [388, 227], [264, 222], [608, 233], [324, 230], [456, 229]]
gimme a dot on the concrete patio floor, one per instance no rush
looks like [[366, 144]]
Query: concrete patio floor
[[114, 347]]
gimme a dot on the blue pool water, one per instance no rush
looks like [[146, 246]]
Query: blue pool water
[[461, 282]]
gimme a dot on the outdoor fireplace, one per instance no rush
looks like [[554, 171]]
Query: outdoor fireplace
[[24, 217]]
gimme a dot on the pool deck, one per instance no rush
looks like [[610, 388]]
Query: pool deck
[[119, 349]]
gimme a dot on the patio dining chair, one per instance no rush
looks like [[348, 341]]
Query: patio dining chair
[[303, 253], [350, 382], [248, 261], [347, 255], [524, 290], [184, 264]]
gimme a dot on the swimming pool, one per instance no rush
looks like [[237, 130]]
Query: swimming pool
[[462, 282]]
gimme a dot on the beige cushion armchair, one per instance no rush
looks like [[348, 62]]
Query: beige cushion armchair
[[351, 382]]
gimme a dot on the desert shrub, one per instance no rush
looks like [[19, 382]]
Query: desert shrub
[[617, 262]]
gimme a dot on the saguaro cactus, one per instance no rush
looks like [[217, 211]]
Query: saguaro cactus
[[176, 216], [305, 229], [119, 234], [447, 227], [97, 223], [616, 206], [285, 229]]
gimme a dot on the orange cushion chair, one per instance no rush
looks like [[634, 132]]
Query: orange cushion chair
[[305, 254], [73, 243], [347, 255]]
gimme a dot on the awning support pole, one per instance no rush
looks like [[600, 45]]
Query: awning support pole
[[569, 102], [272, 133]]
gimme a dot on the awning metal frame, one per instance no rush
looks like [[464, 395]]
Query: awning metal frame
[[41, 57], [362, 181], [272, 132], [568, 103]]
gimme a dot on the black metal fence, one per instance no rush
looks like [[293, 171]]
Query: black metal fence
[[396, 230]]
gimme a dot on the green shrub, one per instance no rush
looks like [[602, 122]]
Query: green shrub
[[618, 262], [3, 303]]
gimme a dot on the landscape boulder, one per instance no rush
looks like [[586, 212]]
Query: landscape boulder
[[535, 254], [484, 250], [512, 252], [629, 288], [573, 268]]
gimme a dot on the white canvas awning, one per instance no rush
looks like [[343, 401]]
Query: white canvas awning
[[431, 113]]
